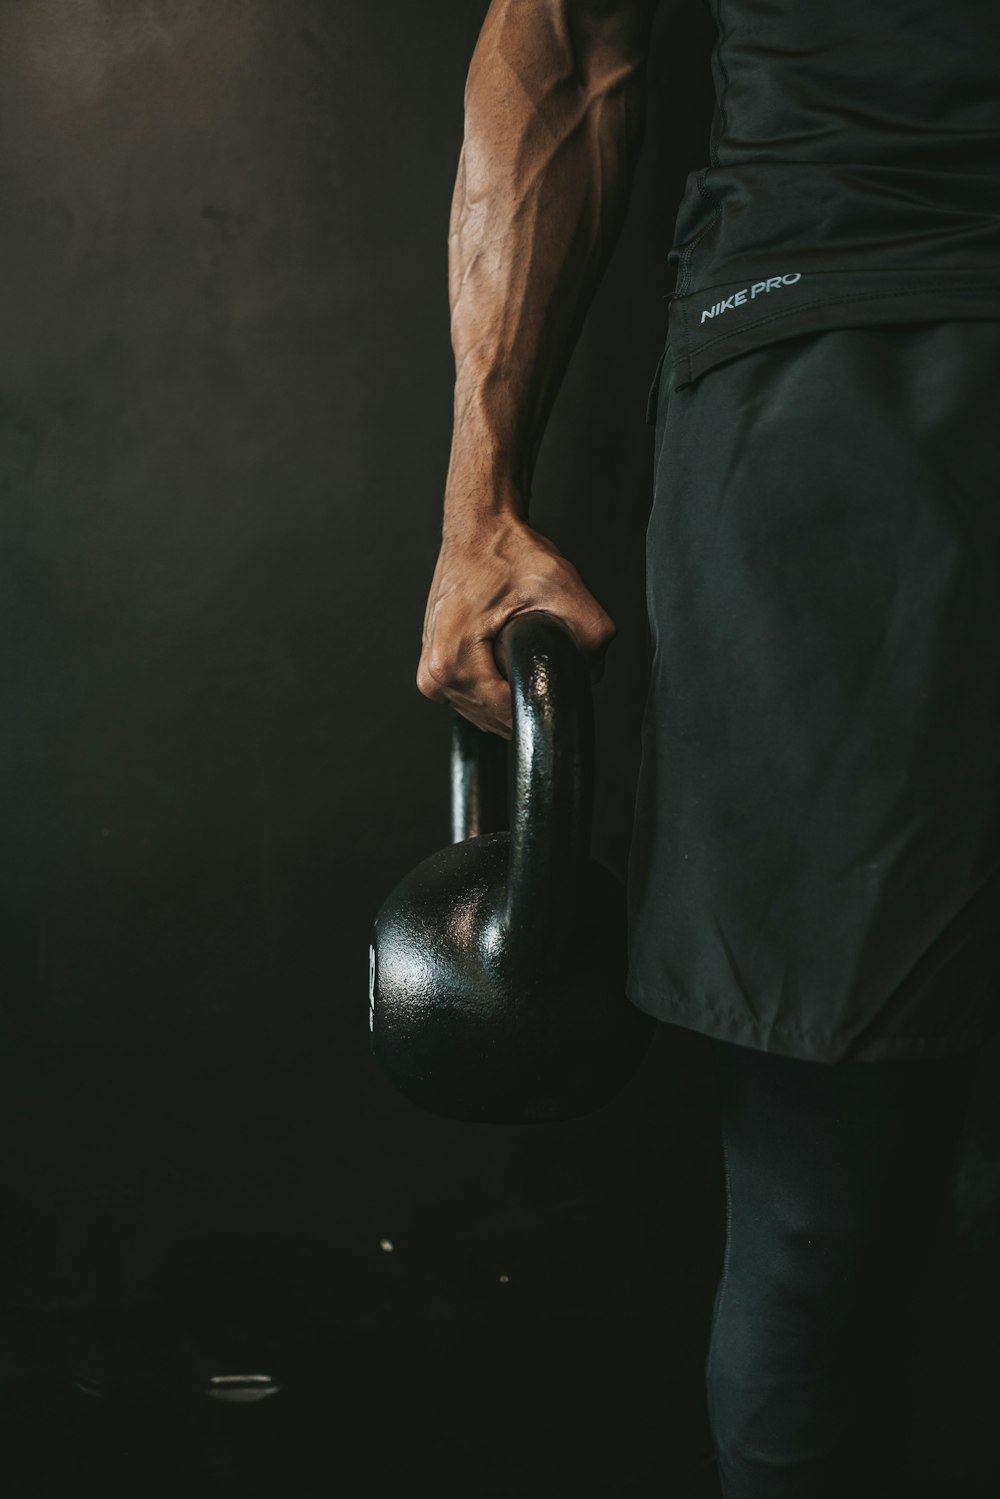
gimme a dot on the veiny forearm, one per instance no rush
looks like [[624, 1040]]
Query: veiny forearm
[[553, 127]]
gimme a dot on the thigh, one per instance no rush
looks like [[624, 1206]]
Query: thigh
[[844, 1143]]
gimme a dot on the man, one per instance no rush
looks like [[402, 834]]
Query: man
[[813, 877]]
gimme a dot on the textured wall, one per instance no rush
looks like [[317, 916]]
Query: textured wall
[[225, 406]]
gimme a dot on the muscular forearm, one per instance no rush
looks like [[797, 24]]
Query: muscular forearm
[[554, 108]]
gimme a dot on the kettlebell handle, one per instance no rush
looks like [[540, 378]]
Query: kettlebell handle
[[549, 786]]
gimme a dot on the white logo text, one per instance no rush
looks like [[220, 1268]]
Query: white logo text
[[759, 288]]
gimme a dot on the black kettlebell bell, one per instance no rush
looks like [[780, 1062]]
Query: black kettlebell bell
[[497, 966]]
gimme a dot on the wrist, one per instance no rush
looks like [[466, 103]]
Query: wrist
[[489, 472], [470, 511], [482, 488]]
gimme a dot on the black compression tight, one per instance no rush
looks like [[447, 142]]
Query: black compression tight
[[837, 1177]]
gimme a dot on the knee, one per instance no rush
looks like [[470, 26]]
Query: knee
[[778, 1370]]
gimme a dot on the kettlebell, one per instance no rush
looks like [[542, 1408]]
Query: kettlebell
[[497, 966]]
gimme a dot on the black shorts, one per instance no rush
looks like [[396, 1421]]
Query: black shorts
[[815, 858]]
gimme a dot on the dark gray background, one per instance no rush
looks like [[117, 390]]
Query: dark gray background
[[225, 406]]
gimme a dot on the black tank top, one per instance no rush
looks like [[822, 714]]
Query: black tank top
[[854, 177]]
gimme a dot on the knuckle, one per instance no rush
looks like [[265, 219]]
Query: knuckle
[[438, 667]]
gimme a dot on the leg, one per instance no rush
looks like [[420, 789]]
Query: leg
[[836, 1179]]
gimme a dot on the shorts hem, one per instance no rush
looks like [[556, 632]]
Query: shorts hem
[[715, 1023]]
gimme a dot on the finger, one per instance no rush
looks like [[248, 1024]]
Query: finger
[[490, 711], [478, 691]]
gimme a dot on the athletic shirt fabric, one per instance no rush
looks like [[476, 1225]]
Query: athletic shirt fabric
[[854, 176]]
